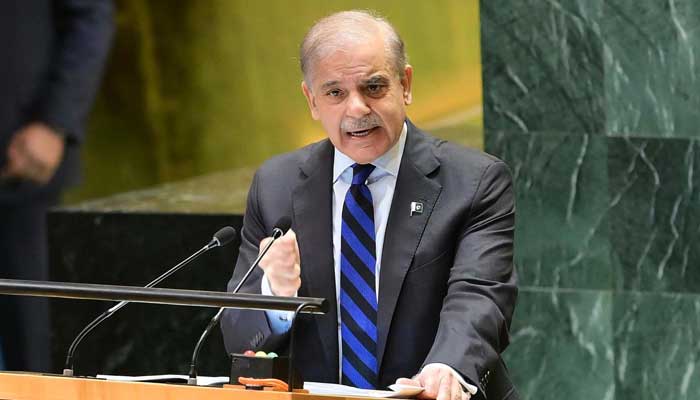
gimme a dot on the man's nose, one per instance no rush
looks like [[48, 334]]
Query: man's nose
[[357, 106]]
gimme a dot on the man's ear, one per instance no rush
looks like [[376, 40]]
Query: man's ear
[[406, 83], [310, 100]]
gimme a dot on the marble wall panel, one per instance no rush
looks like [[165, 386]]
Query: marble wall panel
[[561, 344], [602, 212], [655, 223], [652, 67], [615, 67], [610, 345], [562, 234], [543, 66], [657, 350]]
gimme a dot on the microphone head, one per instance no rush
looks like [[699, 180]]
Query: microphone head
[[283, 224], [225, 235]]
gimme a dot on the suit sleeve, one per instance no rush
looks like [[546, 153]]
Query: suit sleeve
[[249, 329], [477, 310], [85, 32]]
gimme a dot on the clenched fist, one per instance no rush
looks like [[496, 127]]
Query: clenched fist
[[282, 265]]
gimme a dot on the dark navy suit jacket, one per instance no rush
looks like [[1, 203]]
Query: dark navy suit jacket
[[447, 286], [51, 57]]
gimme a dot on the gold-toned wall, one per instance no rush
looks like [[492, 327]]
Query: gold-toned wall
[[195, 86]]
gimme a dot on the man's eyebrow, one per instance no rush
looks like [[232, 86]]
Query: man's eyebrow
[[376, 80], [329, 84]]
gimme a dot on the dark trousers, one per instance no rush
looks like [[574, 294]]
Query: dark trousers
[[24, 321]]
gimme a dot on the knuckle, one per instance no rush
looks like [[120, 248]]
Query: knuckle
[[291, 244], [432, 391], [271, 254]]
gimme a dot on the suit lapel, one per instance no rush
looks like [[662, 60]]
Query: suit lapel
[[311, 205], [403, 232]]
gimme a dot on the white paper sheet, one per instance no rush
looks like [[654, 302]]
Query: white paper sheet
[[397, 391], [170, 378]]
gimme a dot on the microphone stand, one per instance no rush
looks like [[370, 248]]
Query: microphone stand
[[68, 367], [192, 379]]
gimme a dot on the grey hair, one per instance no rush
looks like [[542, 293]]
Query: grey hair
[[355, 26]]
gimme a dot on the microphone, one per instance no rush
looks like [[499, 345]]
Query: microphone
[[281, 227], [221, 238]]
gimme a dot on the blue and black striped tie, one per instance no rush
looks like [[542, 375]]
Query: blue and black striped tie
[[358, 298]]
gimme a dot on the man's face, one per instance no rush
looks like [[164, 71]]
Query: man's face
[[359, 99]]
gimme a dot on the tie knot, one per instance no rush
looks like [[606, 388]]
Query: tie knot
[[360, 172]]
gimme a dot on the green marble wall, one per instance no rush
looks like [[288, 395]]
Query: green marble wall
[[594, 105]]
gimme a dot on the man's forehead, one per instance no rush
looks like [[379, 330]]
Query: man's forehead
[[351, 56]]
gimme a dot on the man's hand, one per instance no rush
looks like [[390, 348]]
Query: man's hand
[[281, 264], [34, 153], [438, 382]]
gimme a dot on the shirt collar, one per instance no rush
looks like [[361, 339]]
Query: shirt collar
[[388, 162]]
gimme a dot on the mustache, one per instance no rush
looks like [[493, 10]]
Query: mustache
[[360, 124]]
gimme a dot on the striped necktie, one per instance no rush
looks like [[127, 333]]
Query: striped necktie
[[358, 299]]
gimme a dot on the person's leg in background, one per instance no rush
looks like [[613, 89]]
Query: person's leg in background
[[2, 359], [24, 321]]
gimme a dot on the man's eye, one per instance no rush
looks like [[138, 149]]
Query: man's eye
[[375, 89], [334, 93]]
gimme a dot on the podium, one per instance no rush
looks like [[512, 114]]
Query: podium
[[31, 386]]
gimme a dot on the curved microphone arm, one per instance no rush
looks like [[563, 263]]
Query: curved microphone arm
[[68, 367], [192, 379]]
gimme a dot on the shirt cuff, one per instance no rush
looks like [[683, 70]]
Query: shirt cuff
[[468, 387], [280, 321]]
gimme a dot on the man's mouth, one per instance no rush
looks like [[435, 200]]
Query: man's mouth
[[361, 133]]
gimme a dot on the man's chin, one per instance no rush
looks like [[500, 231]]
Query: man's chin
[[363, 156]]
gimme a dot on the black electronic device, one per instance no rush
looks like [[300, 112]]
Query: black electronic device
[[263, 368]]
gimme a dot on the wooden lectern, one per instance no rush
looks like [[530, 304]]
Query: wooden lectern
[[30, 386]]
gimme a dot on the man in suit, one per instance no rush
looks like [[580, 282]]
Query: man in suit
[[410, 238], [51, 57]]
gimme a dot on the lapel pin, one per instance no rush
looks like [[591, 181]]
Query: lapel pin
[[416, 208]]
